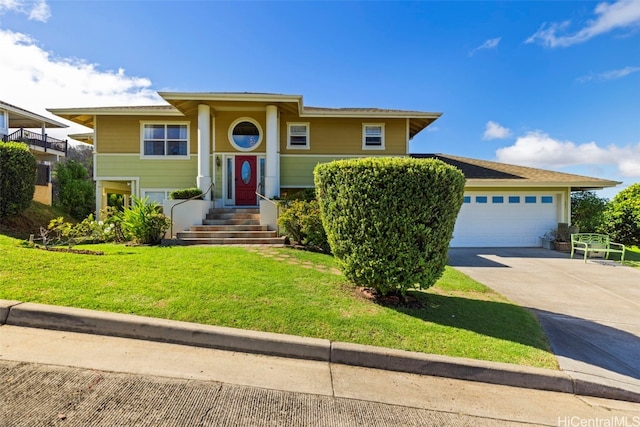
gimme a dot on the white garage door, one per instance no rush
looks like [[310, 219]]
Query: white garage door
[[505, 220]]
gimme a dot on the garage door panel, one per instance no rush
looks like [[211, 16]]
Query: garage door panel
[[504, 224]]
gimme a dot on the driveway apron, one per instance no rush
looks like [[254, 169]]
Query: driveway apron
[[589, 312]]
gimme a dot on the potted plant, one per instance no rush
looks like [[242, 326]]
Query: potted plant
[[547, 239], [562, 240]]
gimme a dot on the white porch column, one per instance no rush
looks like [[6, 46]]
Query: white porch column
[[98, 199], [272, 161], [204, 151]]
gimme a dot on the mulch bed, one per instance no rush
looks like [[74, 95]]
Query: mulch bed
[[391, 299], [71, 250]]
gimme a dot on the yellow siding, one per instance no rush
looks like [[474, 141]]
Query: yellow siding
[[42, 194], [224, 119], [344, 136], [297, 171], [121, 134], [152, 173]]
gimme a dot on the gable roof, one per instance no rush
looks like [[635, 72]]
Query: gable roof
[[186, 103], [483, 173], [21, 118]]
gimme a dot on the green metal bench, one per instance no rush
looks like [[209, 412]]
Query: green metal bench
[[595, 243]]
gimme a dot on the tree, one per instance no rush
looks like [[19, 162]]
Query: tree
[[76, 194], [622, 217], [389, 221], [587, 211], [17, 178], [83, 154]]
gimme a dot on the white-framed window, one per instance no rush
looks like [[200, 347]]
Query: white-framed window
[[164, 139], [245, 134], [373, 136], [156, 196], [298, 136], [4, 122]]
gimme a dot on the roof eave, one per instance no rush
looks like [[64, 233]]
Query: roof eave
[[524, 183], [38, 120]]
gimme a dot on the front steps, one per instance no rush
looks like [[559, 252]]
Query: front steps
[[230, 226]]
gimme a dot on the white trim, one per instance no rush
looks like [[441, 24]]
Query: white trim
[[341, 156], [252, 121], [365, 146], [226, 202], [307, 145], [166, 192], [187, 156], [4, 129]]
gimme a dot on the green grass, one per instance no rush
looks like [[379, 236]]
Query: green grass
[[631, 256], [233, 286], [29, 222]]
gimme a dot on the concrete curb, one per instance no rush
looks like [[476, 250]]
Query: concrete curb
[[145, 328]]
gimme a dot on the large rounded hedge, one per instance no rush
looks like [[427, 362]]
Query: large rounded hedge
[[389, 221], [18, 174]]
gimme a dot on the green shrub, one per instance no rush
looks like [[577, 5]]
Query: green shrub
[[18, 173], [186, 193], [302, 222], [75, 189], [587, 211], [307, 195], [622, 217], [143, 222], [389, 221]]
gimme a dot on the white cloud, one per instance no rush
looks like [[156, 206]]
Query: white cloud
[[489, 44], [495, 131], [36, 10], [40, 11], [537, 149], [609, 75], [609, 16], [39, 80]]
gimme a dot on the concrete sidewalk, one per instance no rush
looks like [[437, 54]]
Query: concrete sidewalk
[[139, 382], [336, 353], [589, 311]]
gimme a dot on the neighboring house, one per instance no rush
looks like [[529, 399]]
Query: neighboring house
[[248, 143], [15, 123]]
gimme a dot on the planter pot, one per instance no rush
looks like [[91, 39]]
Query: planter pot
[[546, 243], [562, 246]]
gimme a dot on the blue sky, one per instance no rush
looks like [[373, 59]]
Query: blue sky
[[550, 84]]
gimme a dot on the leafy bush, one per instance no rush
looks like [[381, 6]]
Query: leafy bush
[[302, 222], [587, 211], [307, 195], [389, 221], [75, 189], [143, 222], [186, 193], [17, 178], [622, 217]]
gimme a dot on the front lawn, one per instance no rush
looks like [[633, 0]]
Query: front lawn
[[632, 257], [277, 290]]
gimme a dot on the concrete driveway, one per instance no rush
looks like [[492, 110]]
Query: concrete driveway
[[590, 312]]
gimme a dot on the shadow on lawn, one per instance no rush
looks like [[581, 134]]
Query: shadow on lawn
[[571, 337], [492, 318]]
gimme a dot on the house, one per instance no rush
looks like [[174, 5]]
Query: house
[[241, 147], [512, 206], [15, 123]]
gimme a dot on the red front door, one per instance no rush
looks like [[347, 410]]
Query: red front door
[[246, 178]]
